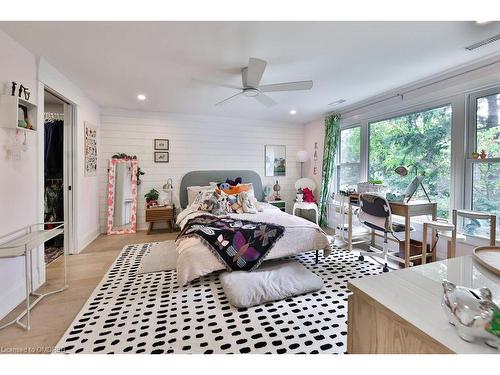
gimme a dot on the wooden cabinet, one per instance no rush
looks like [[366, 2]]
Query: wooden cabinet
[[160, 214]]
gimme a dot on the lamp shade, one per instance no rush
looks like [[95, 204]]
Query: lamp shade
[[302, 156], [401, 170]]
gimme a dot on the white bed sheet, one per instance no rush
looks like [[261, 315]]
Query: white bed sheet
[[195, 259]]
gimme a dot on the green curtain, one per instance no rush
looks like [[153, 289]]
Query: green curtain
[[332, 134]]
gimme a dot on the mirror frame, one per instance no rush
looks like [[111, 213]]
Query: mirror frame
[[111, 196]]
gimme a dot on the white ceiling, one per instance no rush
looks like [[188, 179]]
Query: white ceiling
[[114, 61]]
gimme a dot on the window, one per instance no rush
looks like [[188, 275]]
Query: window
[[349, 159], [483, 163], [420, 139]]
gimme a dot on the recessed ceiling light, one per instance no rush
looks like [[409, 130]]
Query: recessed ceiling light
[[340, 101], [482, 22], [141, 97], [293, 111]]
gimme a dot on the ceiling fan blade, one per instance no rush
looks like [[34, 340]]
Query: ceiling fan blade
[[287, 86], [213, 83], [254, 72], [266, 100], [230, 99]]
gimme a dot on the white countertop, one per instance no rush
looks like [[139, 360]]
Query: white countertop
[[415, 295]]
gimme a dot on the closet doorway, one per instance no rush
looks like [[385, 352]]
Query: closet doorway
[[57, 181]]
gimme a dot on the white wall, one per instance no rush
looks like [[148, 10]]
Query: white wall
[[21, 192], [18, 187], [196, 143], [450, 87]]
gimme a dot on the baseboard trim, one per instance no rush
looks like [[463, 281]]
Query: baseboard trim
[[87, 239], [11, 298]]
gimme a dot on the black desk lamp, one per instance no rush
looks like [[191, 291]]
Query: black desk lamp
[[402, 171]]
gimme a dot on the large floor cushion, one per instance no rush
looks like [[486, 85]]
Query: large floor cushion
[[162, 256], [272, 281]]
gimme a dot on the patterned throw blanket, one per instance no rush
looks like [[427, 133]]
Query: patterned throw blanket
[[238, 244]]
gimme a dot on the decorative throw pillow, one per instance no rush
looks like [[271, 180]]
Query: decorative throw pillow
[[194, 190], [236, 189]]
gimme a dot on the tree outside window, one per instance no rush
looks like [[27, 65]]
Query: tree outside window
[[421, 139]]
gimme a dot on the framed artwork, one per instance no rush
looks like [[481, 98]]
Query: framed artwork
[[161, 144], [90, 150], [275, 159], [161, 157]]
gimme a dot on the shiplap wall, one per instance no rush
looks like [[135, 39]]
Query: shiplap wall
[[196, 143]]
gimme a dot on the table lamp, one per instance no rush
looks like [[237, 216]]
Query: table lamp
[[302, 157], [402, 171]]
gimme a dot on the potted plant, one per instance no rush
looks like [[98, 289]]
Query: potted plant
[[152, 197], [139, 174]]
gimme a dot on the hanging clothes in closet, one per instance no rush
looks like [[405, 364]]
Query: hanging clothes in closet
[[54, 191], [54, 142]]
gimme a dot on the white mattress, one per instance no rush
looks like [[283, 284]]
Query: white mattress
[[195, 259]]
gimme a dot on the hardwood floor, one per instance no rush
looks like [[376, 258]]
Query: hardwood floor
[[52, 316]]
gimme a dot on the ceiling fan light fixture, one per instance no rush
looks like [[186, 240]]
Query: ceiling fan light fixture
[[141, 97], [251, 92]]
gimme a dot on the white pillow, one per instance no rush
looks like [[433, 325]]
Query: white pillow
[[194, 190], [272, 281]]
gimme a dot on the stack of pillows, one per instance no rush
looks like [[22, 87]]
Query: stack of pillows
[[232, 196]]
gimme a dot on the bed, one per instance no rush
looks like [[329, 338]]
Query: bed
[[195, 259]]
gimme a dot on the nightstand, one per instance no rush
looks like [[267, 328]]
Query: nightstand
[[306, 206], [280, 204], [157, 214]]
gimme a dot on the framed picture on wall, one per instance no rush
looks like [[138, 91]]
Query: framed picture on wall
[[90, 150], [161, 144], [161, 157], [275, 159]]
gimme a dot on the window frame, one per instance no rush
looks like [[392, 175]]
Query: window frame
[[338, 158], [471, 143], [410, 111]]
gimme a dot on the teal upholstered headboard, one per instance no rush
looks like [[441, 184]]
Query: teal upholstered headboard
[[203, 178]]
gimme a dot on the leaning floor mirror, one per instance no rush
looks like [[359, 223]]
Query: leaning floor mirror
[[122, 196]]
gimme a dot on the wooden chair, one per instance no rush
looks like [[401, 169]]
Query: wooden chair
[[450, 231], [470, 215]]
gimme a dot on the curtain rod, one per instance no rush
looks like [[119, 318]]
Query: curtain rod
[[402, 93]]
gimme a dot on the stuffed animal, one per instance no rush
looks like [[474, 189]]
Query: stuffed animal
[[308, 195], [233, 204], [237, 181], [249, 203], [224, 186]]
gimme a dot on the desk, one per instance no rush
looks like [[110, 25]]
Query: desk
[[406, 210]]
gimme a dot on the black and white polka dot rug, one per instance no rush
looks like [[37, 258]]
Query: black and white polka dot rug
[[149, 313]]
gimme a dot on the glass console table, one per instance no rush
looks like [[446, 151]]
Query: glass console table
[[21, 243]]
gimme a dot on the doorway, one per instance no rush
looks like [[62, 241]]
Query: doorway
[[53, 163], [58, 163]]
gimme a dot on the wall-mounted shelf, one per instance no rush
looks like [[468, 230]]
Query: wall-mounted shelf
[[10, 113]]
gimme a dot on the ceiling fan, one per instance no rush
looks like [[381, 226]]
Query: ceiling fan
[[251, 76]]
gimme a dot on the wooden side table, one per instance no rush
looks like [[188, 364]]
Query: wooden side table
[[157, 214]]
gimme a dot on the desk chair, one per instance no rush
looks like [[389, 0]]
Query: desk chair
[[375, 213]]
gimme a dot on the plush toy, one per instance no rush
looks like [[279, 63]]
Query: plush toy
[[237, 181], [248, 202], [224, 186], [308, 195], [233, 204]]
